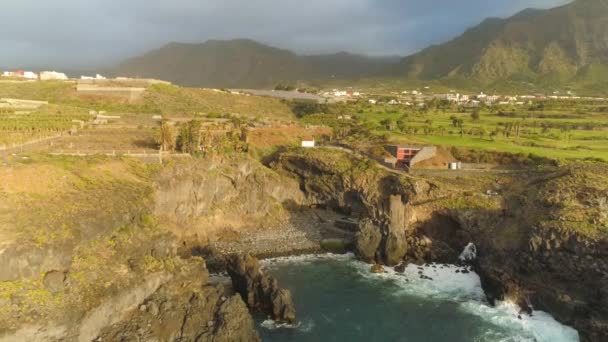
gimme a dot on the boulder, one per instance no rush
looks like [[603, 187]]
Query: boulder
[[367, 240], [54, 281], [395, 247], [376, 268], [400, 268]]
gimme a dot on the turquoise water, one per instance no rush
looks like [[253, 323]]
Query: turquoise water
[[338, 299]]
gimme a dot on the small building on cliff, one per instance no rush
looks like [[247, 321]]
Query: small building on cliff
[[408, 156]]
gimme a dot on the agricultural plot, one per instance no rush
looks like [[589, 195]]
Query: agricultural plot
[[17, 128], [572, 130]]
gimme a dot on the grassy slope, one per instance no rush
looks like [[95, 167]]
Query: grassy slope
[[161, 99], [93, 210]]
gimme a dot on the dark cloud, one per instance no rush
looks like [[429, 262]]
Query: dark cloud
[[76, 33]]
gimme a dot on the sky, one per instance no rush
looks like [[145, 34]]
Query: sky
[[89, 33]]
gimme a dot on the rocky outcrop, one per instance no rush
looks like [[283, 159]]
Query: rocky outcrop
[[349, 184], [395, 244], [186, 310], [259, 290], [367, 240]]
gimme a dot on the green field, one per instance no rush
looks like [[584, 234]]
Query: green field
[[574, 130], [17, 128]]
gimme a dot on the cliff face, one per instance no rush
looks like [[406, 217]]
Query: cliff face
[[541, 243], [100, 239], [203, 199]]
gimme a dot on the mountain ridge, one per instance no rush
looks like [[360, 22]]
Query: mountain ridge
[[562, 46], [247, 63]]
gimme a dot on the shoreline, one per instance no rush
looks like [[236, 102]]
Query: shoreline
[[445, 282]]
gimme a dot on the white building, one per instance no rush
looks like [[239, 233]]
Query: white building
[[492, 98], [52, 75], [30, 75], [340, 93], [308, 143], [372, 101], [97, 77]]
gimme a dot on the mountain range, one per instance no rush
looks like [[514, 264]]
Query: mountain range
[[558, 46], [246, 63]]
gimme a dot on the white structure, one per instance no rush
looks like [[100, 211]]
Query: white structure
[[309, 143], [52, 75], [97, 77], [30, 75], [393, 102], [372, 101], [340, 93]]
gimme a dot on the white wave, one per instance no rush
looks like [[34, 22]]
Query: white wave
[[449, 282], [434, 280], [305, 326], [469, 253], [465, 288]]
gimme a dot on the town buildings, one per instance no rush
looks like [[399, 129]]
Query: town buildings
[[52, 75]]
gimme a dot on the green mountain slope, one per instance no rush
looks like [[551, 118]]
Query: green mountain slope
[[245, 63], [554, 46]]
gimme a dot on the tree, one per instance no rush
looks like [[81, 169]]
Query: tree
[[454, 120], [165, 136], [388, 124], [190, 137], [460, 124], [475, 115]]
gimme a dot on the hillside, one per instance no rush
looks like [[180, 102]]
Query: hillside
[[563, 45], [244, 63]]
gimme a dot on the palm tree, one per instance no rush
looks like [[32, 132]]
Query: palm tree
[[165, 136]]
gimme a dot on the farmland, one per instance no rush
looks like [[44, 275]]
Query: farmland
[[16, 127], [566, 130]]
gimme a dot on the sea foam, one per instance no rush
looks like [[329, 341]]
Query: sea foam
[[451, 283]]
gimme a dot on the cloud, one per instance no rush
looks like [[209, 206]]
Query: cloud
[[80, 33]]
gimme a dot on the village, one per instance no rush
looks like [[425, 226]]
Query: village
[[417, 98]]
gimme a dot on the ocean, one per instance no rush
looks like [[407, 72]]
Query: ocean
[[337, 298]]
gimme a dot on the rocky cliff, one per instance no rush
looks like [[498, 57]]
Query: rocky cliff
[[542, 241], [202, 199], [102, 237]]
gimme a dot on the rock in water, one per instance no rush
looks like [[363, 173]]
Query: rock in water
[[282, 306], [260, 291], [400, 268], [377, 268], [368, 240]]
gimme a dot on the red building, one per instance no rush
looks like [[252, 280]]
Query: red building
[[407, 156]]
